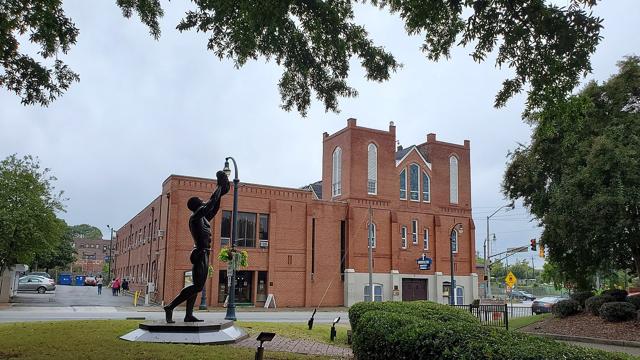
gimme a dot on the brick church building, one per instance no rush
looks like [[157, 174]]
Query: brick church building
[[310, 244]]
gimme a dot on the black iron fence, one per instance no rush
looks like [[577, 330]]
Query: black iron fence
[[496, 315]]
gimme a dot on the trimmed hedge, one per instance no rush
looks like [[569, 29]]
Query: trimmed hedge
[[618, 294], [618, 311], [418, 309], [581, 297], [594, 303], [382, 335], [565, 308], [635, 300]]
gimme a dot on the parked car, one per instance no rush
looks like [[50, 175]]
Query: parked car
[[544, 304], [522, 295], [41, 274], [37, 283], [89, 281]]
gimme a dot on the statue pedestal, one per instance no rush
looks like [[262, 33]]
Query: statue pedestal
[[215, 332]]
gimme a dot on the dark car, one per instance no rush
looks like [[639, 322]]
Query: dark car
[[544, 304], [40, 284], [522, 295]]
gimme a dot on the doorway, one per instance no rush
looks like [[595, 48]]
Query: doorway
[[414, 289]]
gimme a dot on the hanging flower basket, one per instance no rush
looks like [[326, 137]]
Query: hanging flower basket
[[241, 257]]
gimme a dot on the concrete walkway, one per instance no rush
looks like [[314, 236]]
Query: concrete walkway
[[307, 347], [613, 348]]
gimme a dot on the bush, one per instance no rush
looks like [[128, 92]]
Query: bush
[[418, 309], [565, 308], [618, 294], [594, 303], [382, 335], [635, 300], [581, 297], [618, 311]]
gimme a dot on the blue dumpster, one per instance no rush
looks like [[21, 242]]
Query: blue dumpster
[[80, 280], [64, 279]]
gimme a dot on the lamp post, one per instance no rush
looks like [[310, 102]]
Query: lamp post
[[231, 305], [110, 247], [452, 286], [487, 249]]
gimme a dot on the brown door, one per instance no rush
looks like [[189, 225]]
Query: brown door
[[414, 289]]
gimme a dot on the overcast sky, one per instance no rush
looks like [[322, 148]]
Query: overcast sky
[[146, 109]]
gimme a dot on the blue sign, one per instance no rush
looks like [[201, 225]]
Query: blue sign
[[424, 263]]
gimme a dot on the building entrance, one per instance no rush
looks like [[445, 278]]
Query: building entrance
[[244, 286], [414, 289]]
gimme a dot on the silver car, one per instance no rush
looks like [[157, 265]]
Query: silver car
[[40, 284]]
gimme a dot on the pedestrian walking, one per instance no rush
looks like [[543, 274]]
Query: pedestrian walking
[[116, 287], [99, 282]]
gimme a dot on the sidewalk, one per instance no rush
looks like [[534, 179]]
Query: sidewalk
[[307, 347]]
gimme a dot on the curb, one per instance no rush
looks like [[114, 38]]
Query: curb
[[624, 343]]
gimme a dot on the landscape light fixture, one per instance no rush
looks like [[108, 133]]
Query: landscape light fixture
[[310, 322], [264, 336], [333, 328]]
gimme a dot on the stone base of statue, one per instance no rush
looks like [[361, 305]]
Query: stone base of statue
[[216, 332]]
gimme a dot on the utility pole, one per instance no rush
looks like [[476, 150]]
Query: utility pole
[[370, 239]]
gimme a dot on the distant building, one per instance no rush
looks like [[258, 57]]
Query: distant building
[[91, 255], [310, 243]]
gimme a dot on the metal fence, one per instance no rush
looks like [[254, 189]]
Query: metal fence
[[496, 315]]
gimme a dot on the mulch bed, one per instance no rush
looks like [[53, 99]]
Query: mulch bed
[[587, 325]]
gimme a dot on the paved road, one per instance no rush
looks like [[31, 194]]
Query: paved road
[[66, 295]]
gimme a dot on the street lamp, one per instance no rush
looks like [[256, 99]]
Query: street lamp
[[487, 249], [231, 305], [110, 247], [457, 229]]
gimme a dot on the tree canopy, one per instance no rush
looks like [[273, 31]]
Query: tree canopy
[[547, 46], [85, 231], [28, 207], [60, 253], [580, 176]]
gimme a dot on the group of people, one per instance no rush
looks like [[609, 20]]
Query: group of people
[[115, 285]]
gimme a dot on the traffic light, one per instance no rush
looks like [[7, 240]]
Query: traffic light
[[533, 244], [541, 251]]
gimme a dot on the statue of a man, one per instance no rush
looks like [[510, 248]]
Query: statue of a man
[[200, 229]]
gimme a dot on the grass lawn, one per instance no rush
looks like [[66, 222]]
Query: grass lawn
[[517, 323], [99, 339]]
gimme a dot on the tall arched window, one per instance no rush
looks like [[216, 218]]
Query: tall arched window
[[372, 169], [336, 178], [453, 179], [426, 187], [414, 182], [403, 184]]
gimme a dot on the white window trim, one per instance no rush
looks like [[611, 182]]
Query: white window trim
[[375, 172], [409, 187], [414, 231], [336, 172], [426, 176], [375, 285], [454, 190], [403, 237], [405, 184], [425, 239]]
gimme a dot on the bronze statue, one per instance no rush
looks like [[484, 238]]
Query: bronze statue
[[200, 229]]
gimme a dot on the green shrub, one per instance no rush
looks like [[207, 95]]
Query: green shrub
[[635, 300], [594, 303], [565, 308], [618, 311], [618, 294], [418, 309], [381, 335], [581, 297]]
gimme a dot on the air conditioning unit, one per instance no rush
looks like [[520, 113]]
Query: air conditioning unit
[[264, 243]]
